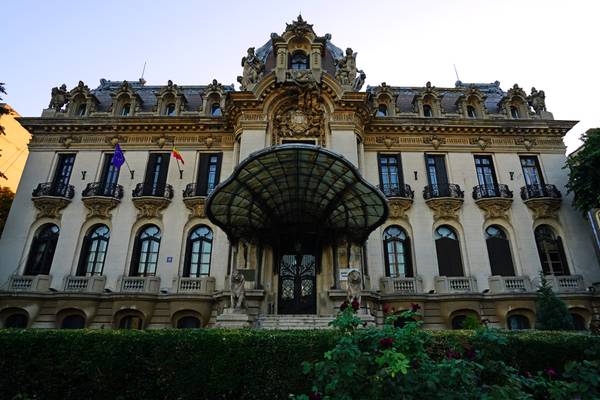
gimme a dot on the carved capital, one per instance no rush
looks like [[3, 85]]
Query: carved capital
[[50, 206], [399, 206], [196, 206], [496, 207], [544, 207], [150, 207], [99, 206], [445, 207]]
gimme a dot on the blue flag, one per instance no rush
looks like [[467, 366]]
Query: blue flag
[[118, 158]]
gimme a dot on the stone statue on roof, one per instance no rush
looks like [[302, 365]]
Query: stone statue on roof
[[346, 68], [537, 100], [60, 97], [253, 69], [359, 81]]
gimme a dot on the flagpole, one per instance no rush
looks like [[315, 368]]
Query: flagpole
[[179, 168], [130, 171]]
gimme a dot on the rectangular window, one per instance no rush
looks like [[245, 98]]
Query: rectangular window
[[437, 175], [209, 170], [109, 176], [486, 175], [156, 174], [532, 172], [62, 174], [391, 180]]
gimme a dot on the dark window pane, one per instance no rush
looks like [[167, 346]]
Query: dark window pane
[[73, 322], [42, 250], [518, 322], [188, 323], [16, 321]]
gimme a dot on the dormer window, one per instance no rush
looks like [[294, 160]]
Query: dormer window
[[471, 113], [381, 111], [126, 109], [215, 110], [170, 109], [299, 60], [514, 112], [81, 110], [427, 111]]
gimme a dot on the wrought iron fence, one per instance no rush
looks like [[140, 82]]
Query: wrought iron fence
[[56, 189], [402, 190], [103, 190], [487, 191], [445, 190], [144, 189], [537, 191]]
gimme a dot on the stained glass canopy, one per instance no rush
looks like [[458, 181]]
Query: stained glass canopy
[[296, 189]]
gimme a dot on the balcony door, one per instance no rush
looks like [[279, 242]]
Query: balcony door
[[62, 174], [109, 176], [486, 176], [532, 172], [156, 174], [390, 173], [209, 169], [437, 175]]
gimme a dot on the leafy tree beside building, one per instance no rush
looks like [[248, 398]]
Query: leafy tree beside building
[[584, 172], [6, 199]]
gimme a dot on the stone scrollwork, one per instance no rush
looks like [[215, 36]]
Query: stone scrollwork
[[253, 70], [99, 206], [196, 206], [435, 141], [544, 207], [445, 207], [50, 206], [495, 207], [481, 142], [304, 118], [528, 143], [399, 206], [150, 207]]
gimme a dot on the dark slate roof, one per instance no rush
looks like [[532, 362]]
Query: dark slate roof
[[193, 94]]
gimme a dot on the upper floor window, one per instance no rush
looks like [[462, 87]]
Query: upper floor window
[[448, 251], [81, 109], [381, 111], [209, 169], [126, 109], [93, 252], [155, 180], [499, 251], [551, 251], [471, 113], [109, 176], [299, 60], [437, 175], [62, 174], [215, 110], [531, 171], [170, 109], [514, 112], [486, 176], [396, 246], [390, 173], [145, 251], [427, 111], [42, 250], [198, 252]]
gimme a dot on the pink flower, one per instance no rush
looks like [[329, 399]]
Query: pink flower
[[315, 396], [355, 304], [414, 307], [386, 343], [344, 305], [551, 372]]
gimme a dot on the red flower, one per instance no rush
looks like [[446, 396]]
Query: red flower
[[344, 305], [355, 304], [386, 343], [551, 372], [315, 396], [386, 309], [414, 307]]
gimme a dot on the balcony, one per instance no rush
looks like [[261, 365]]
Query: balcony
[[194, 200], [509, 284], [51, 198], [565, 283], [202, 285], [151, 200], [100, 199], [401, 285], [445, 200], [29, 283], [139, 284], [400, 199], [84, 284], [495, 200], [543, 200], [455, 284]]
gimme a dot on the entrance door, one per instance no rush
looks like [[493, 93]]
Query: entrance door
[[297, 283]]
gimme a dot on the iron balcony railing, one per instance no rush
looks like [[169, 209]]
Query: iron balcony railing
[[495, 190], [143, 189], [193, 190], [102, 190], [400, 190], [538, 191], [445, 190], [55, 189]]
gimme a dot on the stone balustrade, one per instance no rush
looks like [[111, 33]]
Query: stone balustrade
[[455, 284], [89, 284], [139, 284], [201, 285], [509, 284], [30, 283], [401, 285]]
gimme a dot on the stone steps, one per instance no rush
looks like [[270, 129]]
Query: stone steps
[[290, 321]]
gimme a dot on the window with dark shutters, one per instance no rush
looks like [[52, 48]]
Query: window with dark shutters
[[209, 170], [156, 174], [448, 252]]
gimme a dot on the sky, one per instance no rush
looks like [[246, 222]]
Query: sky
[[552, 45]]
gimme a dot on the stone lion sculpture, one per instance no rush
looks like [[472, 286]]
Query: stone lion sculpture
[[238, 299], [354, 286]]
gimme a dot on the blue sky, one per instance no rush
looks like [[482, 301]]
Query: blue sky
[[552, 45]]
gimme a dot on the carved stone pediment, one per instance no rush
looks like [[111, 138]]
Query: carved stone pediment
[[445, 207], [496, 207], [50, 206], [399, 206], [100, 206], [196, 206], [544, 207], [150, 207], [302, 116]]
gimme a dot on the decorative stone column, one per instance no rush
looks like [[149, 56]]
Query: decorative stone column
[[345, 132], [252, 132]]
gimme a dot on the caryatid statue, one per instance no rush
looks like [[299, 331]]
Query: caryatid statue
[[253, 69]]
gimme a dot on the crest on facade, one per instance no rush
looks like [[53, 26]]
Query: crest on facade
[[302, 117]]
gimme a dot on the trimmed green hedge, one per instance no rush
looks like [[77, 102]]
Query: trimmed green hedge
[[214, 364]]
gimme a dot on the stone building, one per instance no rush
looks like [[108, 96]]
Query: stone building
[[445, 197]]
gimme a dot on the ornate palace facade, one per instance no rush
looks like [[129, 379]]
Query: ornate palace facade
[[452, 198]]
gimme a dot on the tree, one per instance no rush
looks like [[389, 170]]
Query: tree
[[551, 312], [6, 199], [584, 174], [3, 110]]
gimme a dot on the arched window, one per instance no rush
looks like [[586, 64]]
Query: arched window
[[396, 246], [16, 321], [517, 322], [93, 251], [170, 109], [499, 251], [299, 60], [131, 322], [81, 109], [551, 251], [73, 321], [198, 252], [42, 250], [145, 251], [215, 110], [188, 322], [471, 113], [427, 111], [126, 109], [381, 111], [448, 251], [514, 112], [578, 322], [459, 321]]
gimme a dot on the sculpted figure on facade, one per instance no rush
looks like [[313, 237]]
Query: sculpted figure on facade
[[346, 68], [60, 97], [238, 295], [359, 81], [253, 69], [537, 100], [354, 286], [305, 118]]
